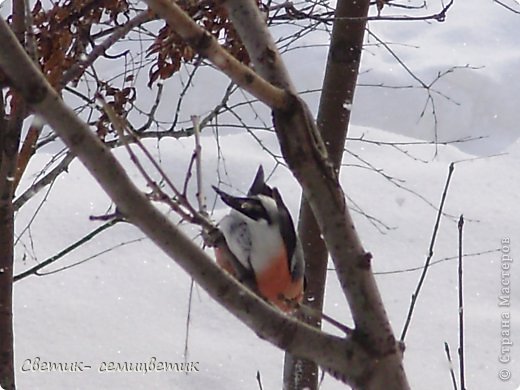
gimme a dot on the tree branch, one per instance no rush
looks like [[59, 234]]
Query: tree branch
[[461, 308], [346, 357], [339, 83], [307, 157], [44, 181], [34, 270], [507, 6], [294, 14], [207, 46], [99, 50], [259, 43], [426, 266]]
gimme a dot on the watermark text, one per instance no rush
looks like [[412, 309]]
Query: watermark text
[[504, 303], [37, 364]]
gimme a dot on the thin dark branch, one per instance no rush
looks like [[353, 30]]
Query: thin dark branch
[[27, 228], [396, 182], [188, 322], [76, 70], [188, 174], [201, 199], [277, 158], [412, 269], [184, 132], [180, 202], [34, 270], [392, 143], [461, 308], [44, 181], [313, 313], [390, 3], [397, 58], [507, 6], [184, 91], [452, 373], [415, 295], [93, 256], [292, 13], [377, 223], [259, 381], [153, 110]]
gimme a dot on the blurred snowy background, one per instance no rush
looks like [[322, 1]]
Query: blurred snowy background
[[130, 302]]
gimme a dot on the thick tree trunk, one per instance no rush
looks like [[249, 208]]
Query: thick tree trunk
[[10, 130], [6, 280], [333, 119], [303, 373], [9, 139]]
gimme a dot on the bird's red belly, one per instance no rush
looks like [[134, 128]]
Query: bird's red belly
[[276, 285]]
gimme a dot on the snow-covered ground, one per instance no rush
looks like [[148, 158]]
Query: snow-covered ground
[[130, 304]]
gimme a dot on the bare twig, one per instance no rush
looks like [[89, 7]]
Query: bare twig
[[208, 46], [34, 214], [399, 183], [185, 89], [415, 295], [180, 202], [412, 269], [188, 322], [106, 217], [392, 4], [231, 88], [508, 7], [202, 210], [377, 223], [277, 158], [259, 381], [407, 143], [78, 68], [30, 43], [187, 177], [292, 13], [198, 165], [461, 308], [452, 373], [27, 151], [93, 256], [311, 312], [151, 114], [184, 132], [34, 270], [428, 87]]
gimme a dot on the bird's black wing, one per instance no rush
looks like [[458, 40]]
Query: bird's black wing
[[286, 226], [259, 187]]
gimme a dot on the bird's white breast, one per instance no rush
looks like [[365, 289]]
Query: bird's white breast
[[254, 243]]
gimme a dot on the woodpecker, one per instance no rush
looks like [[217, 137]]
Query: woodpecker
[[261, 248]]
